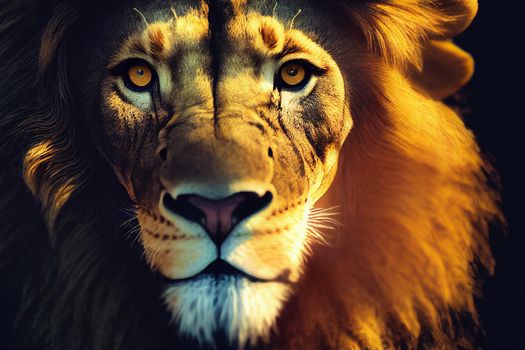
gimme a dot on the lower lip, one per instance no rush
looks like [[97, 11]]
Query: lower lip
[[215, 276], [218, 270]]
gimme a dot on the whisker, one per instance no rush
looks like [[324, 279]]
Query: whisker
[[320, 220], [127, 222], [329, 210], [294, 17], [142, 15], [174, 13]]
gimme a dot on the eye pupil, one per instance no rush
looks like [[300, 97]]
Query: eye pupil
[[293, 74], [139, 76]]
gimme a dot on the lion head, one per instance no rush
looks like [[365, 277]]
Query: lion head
[[240, 173]]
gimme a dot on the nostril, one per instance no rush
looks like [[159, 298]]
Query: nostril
[[270, 152], [217, 217], [251, 205], [182, 207]]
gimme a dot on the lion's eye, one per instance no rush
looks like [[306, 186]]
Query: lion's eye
[[140, 76], [293, 75]]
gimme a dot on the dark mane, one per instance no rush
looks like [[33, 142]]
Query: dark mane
[[73, 285]]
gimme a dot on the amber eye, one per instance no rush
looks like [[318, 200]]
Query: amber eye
[[293, 75], [140, 76]]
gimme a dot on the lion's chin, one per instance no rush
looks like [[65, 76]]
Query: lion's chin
[[233, 306]]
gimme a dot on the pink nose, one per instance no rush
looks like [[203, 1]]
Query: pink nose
[[217, 216]]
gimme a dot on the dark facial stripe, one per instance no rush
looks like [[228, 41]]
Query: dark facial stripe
[[319, 144], [267, 120], [258, 126], [218, 10], [292, 143]]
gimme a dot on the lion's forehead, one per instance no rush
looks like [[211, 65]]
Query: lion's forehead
[[196, 41]]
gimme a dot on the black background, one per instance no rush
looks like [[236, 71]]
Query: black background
[[495, 98]]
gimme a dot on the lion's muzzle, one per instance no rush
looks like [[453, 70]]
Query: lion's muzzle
[[216, 175]]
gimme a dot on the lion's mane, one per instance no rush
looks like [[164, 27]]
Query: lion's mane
[[411, 186]]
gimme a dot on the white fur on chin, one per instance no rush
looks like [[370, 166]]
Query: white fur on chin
[[244, 310]]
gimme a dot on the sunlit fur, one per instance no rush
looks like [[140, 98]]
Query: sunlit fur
[[397, 269], [414, 210]]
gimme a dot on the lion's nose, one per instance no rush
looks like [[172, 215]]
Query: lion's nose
[[217, 216]]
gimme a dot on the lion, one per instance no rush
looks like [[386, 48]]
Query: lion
[[239, 174]]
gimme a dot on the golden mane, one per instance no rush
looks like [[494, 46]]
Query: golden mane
[[413, 196]]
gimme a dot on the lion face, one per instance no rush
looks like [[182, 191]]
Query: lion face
[[224, 123]]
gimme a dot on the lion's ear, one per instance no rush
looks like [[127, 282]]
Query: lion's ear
[[461, 14], [446, 69], [415, 36]]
